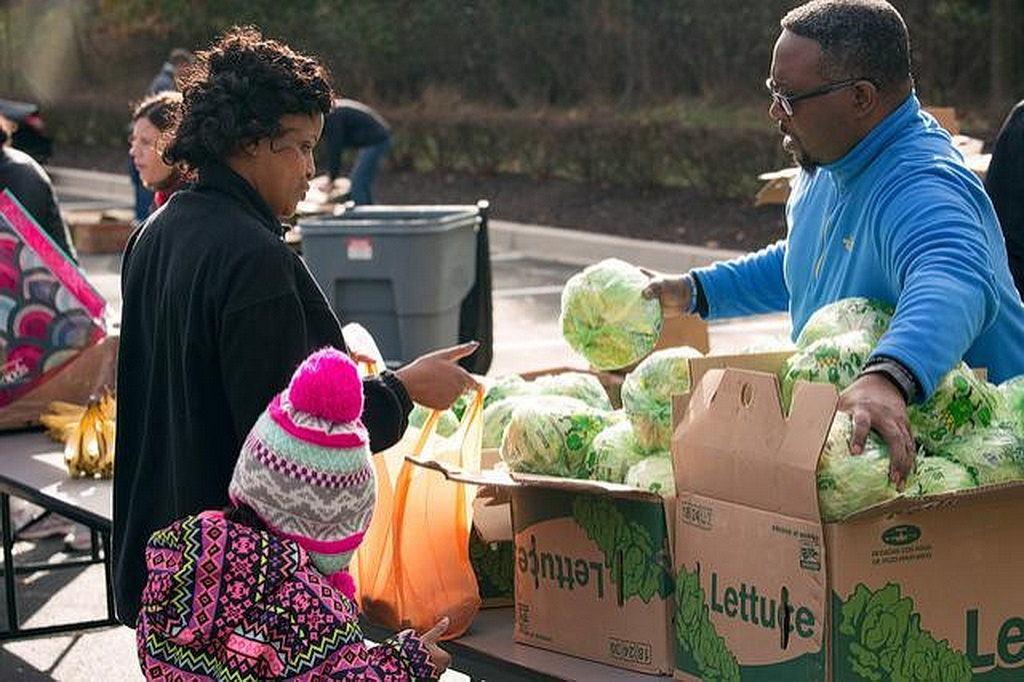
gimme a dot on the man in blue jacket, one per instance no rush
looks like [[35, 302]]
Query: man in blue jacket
[[884, 208]]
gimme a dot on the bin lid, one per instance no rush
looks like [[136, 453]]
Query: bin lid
[[392, 218]]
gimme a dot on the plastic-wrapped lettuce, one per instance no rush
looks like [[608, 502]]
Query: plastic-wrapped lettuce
[[1012, 392], [993, 455], [844, 316], [606, 319], [961, 403], [848, 483], [447, 423], [497, 415], [835, 360], [579, 385], [506, 387], [937, 475], [552, 435], [653, 474], [615, 451], [647, 394]]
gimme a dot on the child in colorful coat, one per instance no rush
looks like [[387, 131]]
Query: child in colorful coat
[[262, 590]]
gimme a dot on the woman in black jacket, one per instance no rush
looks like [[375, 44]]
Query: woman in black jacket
[[218, 311]]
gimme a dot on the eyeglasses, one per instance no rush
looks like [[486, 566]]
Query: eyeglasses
[[786, 102]]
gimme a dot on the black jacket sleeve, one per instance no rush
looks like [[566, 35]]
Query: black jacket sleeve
[[386, 410]]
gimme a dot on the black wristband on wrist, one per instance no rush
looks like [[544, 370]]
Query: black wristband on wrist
[[897, 373]]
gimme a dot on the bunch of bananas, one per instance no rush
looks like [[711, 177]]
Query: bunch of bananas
[[87, 432], [61, 419]]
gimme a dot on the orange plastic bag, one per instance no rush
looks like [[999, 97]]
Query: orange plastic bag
[[413, 566]]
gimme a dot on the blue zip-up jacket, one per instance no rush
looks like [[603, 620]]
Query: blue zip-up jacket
[[901, 219]]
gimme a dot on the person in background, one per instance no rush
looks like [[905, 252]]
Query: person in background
[[152, 120], [1005, 184], [177, 61], [30, 184], [353, 125], [301, 499], [218, 311]]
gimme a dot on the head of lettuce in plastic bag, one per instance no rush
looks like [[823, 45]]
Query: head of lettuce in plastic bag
[[497, 415], [653, 474], [647, 394], [615, 451], [605, 317], [937, 475], [505, 387], [961, 403], [447, 423], [552, 435], [848, 483], [835, 360], [992, 455], [1012, 392], [847, 315], [579, 385]]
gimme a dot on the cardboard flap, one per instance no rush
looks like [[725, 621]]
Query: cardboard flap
[[502, 478], [734, 444]]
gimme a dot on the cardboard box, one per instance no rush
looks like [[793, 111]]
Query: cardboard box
[[915, 589], [593, 571], [100, 231]]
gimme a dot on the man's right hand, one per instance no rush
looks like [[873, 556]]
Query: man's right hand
[[438, 656], [673, 291], [435, 380]]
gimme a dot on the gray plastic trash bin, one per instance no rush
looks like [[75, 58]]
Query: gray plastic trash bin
[[400, 271]]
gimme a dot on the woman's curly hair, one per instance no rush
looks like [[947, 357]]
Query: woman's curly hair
[[237, 92]]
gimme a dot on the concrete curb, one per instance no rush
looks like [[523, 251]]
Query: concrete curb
[[582, 248], [574, 247]]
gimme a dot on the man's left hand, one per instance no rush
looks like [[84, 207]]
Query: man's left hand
[[875, 404]]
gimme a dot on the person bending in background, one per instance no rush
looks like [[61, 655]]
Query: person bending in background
[[353, 125], [1005, 184], [152, 120]]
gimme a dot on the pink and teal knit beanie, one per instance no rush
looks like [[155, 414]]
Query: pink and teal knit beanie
[[305, 467]]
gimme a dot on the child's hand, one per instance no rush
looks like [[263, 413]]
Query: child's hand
[[438, 656]]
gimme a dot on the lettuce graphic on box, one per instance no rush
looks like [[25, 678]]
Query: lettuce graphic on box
[[624, 543], [696, 633], [880, 638]]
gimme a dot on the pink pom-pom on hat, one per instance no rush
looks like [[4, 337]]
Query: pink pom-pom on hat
[[327, 385]]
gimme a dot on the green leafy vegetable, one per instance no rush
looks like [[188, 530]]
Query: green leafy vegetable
[[606, 319]]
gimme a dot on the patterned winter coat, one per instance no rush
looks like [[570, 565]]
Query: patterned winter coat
[[224, 601]]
